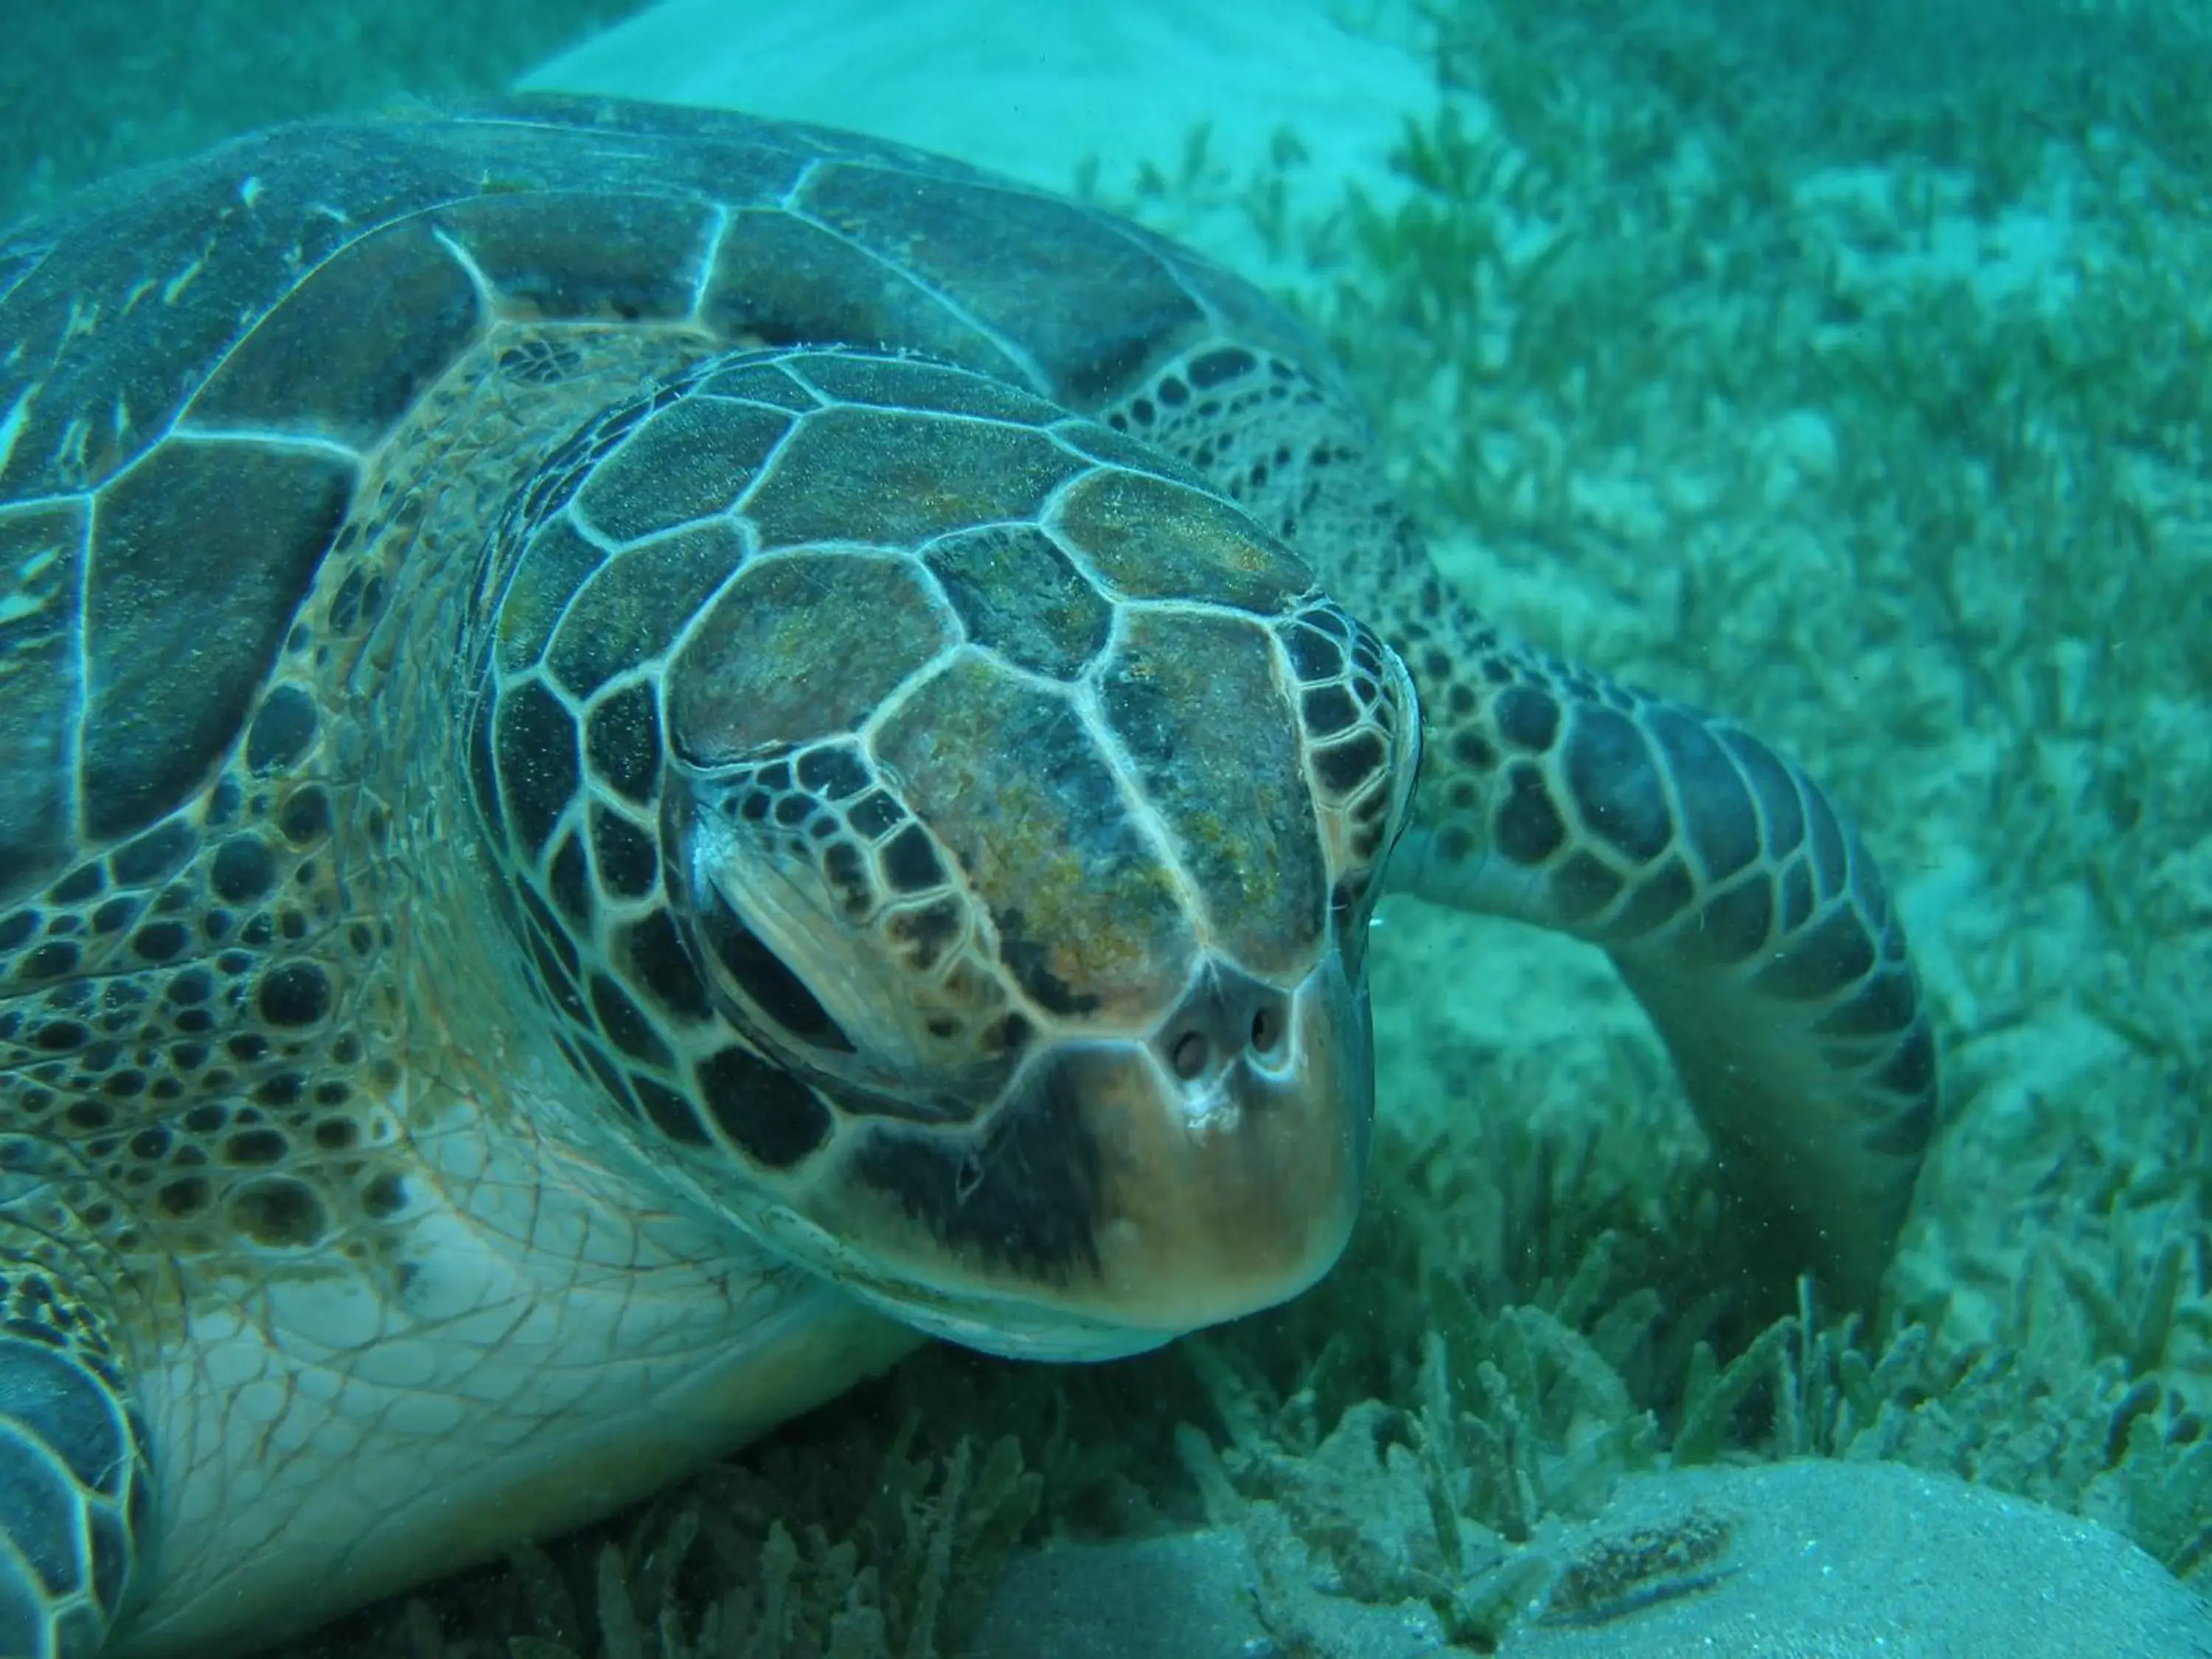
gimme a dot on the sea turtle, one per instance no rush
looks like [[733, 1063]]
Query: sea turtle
[[644, 752]]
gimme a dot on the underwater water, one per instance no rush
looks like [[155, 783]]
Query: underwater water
[[1838, 369]]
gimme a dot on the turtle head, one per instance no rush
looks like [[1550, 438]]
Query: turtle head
[[1020, 844], [1061, 984]]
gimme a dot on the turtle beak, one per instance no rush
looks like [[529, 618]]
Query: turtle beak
[[1127, 1190], [1231, 1151]]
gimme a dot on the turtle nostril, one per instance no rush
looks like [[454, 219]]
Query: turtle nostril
[[1188, 1056], [1266, 1030]]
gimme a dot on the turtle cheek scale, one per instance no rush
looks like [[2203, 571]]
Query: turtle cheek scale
[[1109, 1202]]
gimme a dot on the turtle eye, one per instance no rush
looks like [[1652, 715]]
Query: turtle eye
[[800, 962], [752, 983], [1410, 732], [761, 976]]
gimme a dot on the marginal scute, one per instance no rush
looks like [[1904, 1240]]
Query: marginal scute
[[783, 280], [797, 648], [525, 144], [578, 254], [42, 548], [209, 260], [230, 535], [994, 249], [348, 350], [1111, 447]]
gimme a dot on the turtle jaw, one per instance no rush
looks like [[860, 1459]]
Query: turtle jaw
[[1240, 1191], [1117, 1198]]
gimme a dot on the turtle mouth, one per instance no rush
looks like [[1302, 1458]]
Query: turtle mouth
[[1124, 1190]]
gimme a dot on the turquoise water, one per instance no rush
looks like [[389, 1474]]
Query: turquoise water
[[1838, 372]]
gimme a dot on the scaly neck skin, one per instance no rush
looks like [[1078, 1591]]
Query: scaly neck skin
[[532, 1157], [543, 1331], [430, 507], [516, 1323]]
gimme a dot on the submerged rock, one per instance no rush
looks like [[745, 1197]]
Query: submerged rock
[[1804, 1560], [1807, 1559]]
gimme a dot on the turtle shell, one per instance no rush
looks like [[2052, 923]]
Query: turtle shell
[[201, 363]]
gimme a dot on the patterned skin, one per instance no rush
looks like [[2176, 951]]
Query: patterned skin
[[644, 753]]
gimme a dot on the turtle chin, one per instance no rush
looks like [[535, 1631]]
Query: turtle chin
[[1125, 1189]]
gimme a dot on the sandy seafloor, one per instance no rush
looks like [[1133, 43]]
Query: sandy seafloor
[[2000, 661]]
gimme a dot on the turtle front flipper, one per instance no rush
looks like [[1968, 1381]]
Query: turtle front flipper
[[1746, 917], [76, 1478]]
